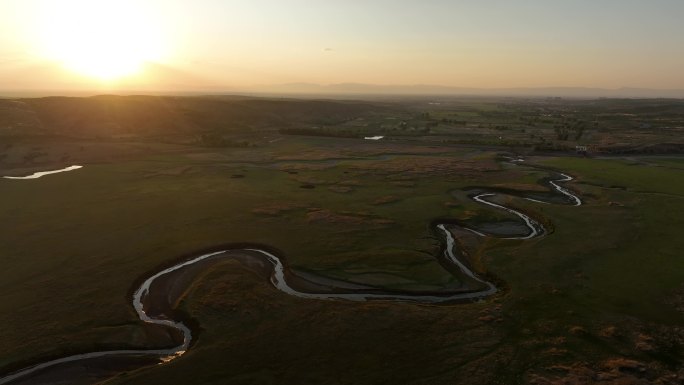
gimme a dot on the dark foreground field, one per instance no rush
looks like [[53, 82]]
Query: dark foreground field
[[598, 300]]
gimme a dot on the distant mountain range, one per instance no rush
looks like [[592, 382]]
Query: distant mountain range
[[171, 82], [427, 90]]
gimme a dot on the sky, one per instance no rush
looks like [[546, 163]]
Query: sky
[[233, 44]]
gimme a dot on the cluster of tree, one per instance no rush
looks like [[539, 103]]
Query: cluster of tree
[[490, 142], [495, 114], [659, 148], [336, 133], [403, 128], [563, 132], [454, 122], [552, 147], [413, 131], [213, 139]]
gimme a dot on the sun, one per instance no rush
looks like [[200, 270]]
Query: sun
[[106, 40]]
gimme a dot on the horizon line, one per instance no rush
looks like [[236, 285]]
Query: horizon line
[[365, 89]]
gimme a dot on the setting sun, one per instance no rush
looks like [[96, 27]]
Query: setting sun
[[103, 40]]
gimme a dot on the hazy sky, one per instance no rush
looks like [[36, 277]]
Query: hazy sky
[[68, 44]]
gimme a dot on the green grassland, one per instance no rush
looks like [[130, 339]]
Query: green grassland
[[167, 176], [89, 235], [73, 245]]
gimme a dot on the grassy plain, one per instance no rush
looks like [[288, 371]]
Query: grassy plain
[[599, 299], [89, 234]]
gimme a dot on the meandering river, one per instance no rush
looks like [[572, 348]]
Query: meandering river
[[281, 280]]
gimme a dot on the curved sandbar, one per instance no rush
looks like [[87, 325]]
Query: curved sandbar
[[280, 279], [39, 174]]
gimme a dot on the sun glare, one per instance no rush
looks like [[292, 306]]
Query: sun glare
[[107, 40]]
